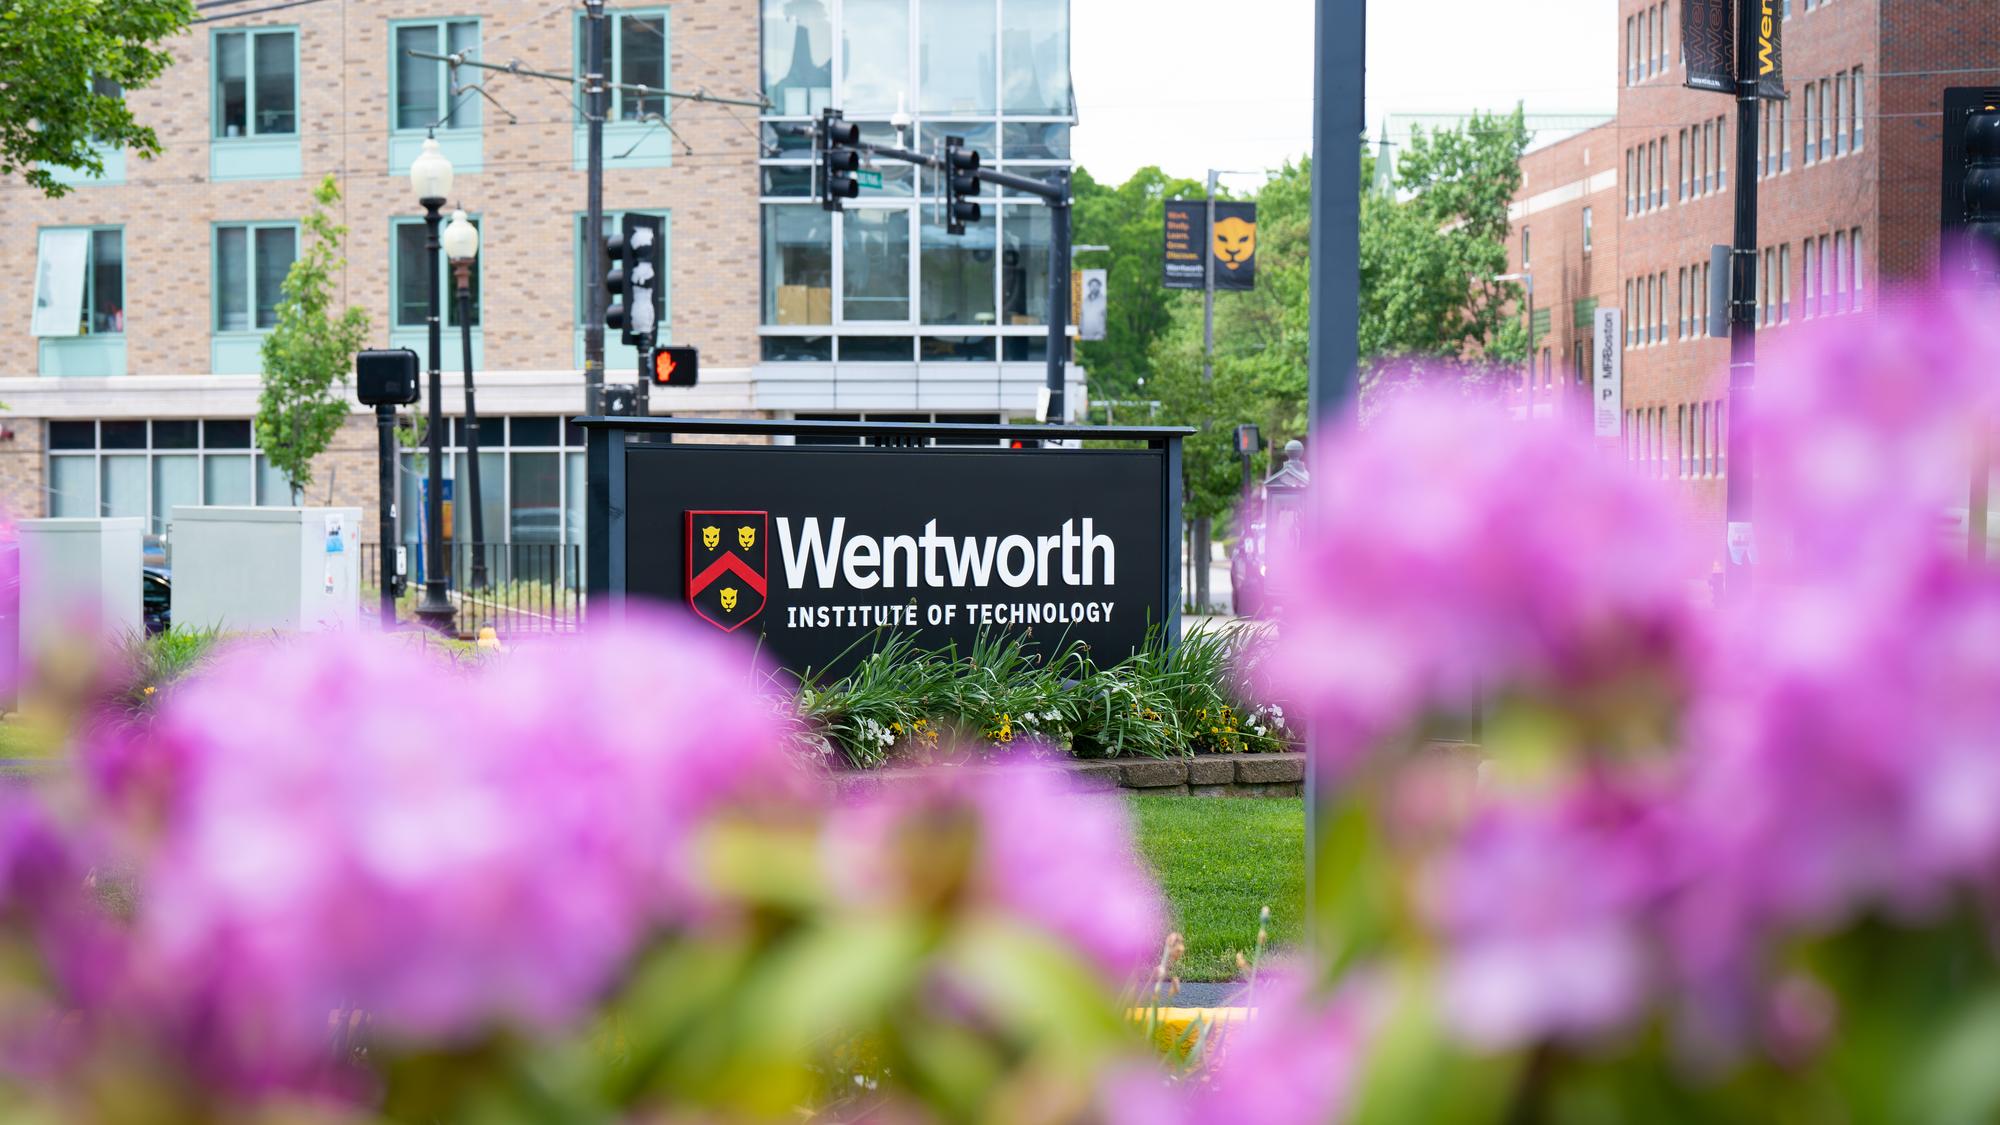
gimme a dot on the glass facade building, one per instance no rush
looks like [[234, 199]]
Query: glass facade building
[[881, 282]]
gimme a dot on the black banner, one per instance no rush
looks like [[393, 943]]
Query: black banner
[[1186, 234], [1235, 245], [1770, 51], [1708, 39], [815, 549]]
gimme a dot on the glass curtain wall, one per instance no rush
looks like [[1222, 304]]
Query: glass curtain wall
[[855, 285]]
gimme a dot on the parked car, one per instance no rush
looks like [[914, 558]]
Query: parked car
[[156, 594]]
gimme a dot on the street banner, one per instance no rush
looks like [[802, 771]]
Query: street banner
[[59, 282], [1708, 39], [1608, 368], [1235, 245], [1186, 234], [1093, 305], [821, 553]]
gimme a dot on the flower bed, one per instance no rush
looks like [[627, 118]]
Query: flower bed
[[906, 705]]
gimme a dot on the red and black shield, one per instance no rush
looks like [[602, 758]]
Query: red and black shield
[[727, 563]]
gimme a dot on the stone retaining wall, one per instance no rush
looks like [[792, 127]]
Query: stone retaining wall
[[1205, 775]]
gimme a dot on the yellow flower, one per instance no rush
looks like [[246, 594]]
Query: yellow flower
[[150, 689]]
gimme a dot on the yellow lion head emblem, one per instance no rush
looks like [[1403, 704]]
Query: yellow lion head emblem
[[711, 537], [1235, 241], [728, 599], [746, 537]]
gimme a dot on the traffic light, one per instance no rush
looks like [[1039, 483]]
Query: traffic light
[[614, 282], [676, 366], [960, 184], [838, 159], [1970, 215], [633, 276]]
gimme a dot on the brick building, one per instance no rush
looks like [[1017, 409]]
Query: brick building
[[1848, 174], [146, 403]]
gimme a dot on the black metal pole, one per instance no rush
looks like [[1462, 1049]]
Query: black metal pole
[[1339, 60], [594, 37], [1058, 359], [385, 434], [462, 274], [434, 609], [1742, 307]]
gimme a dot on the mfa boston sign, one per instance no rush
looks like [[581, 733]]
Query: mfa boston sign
[[816, 549]]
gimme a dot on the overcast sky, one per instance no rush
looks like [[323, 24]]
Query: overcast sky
[[1195, 84]]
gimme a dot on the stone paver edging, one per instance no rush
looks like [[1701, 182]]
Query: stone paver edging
[[1205, 775]]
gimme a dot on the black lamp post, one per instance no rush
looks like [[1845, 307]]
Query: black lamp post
[[461, 246], [430, 175]]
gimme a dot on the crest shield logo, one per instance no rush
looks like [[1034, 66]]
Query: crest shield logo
[[728, 561]]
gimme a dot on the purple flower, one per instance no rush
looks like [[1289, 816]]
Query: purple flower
[[1019, 840], [1293, 1062], [1452, 552], [1544, 906], [1864, 432], [351, 825]]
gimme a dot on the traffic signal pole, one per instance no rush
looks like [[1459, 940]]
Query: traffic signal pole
[[1739, 541], [595, 34]]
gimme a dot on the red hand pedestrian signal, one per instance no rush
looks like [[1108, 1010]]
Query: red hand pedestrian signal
[[675, 366]]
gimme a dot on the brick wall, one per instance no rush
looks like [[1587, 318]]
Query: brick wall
[[1887, 189]]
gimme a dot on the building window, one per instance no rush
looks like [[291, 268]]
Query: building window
[[1854, 244], [421, 96], [1838, 115], [957, 274], [1812, 287], [638, 58], [1034, 48], [251, 261], [1785, 127], [80, 282], [798, 57], [1630, 184], [1525, 246], [798, 265], [875, 56], [1825, 277], [1785, 283], [1721, 154], [875, 267], [1855, 102], [256, 83], [147, 469], [1631, 52], [955, 57], [1666, 36], [1586, 230], [1681, 295], [1826, 128], [411, 284], [1840, 304]]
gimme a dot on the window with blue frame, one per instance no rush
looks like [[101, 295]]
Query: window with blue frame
[[79, 312], [411, 285], [421, 90], [422, 97], [256, 104], [635, 132], [249, 268]]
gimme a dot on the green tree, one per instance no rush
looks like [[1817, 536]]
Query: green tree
[[1131, 219], [308, 354], [63, 67], [1429, 255]]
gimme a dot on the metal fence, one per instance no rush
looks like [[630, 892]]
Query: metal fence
[[513, 587]]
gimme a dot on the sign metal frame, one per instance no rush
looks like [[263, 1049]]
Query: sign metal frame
[[613, 442]]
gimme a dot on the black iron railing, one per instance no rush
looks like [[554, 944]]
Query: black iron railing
[[513, 588]]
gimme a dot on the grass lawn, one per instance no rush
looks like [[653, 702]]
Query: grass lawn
[[1220, 861]]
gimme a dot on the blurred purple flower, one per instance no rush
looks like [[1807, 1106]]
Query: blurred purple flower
[[1864, 432], [1019, 839], [1850, 760], [1293, 1062], [1452, 551], [350, 824], [1544, 905]]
